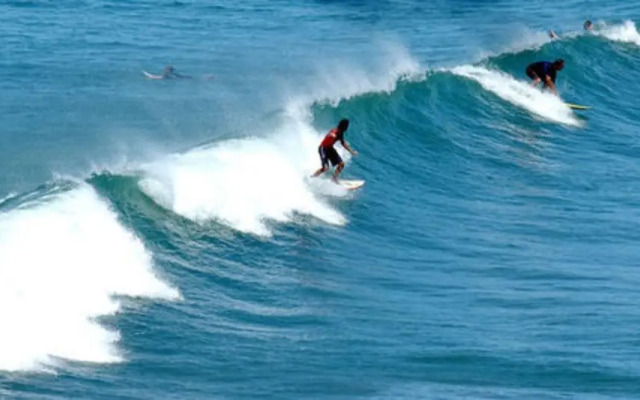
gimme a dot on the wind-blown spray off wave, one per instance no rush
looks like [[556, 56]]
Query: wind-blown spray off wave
[[62, 259], [521, 94], [626, 33], [343, 82]]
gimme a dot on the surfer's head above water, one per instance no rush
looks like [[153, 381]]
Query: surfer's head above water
[[168, 71], [343, 125], [558, 64], [588, 25]]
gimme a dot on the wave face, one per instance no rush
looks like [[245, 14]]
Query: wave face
[[164, 239]]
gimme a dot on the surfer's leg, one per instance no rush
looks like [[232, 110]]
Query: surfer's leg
[[531, 74], [320, 171], [324, 161], [336, 160], [336, 174]]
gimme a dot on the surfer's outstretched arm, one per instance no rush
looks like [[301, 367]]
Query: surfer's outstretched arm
[[349, 149]]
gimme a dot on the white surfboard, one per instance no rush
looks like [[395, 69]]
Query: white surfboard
[[151, 76], [351, 184]]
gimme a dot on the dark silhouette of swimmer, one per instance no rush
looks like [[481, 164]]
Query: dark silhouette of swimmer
[[545, 72], [168, 73]]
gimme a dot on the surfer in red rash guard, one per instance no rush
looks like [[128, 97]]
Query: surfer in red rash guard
[[329, 154]]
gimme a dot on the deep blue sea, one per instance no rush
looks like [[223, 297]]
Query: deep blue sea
[[162, 239]]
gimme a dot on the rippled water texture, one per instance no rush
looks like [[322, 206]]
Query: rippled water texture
[[162, 239]]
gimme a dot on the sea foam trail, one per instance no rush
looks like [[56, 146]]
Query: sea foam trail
[[521, 94], [61, 261], [626, 32]]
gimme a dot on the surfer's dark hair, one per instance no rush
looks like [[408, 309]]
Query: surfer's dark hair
[[343, 124], [558, 62]]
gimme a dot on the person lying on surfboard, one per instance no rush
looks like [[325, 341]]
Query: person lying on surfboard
[[329, 154], [545, 71], [168, 73]]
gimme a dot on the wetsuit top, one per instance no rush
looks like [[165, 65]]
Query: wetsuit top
[[329, 140], [544, 68]]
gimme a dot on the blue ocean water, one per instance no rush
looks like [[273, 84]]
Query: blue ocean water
[[161, 239]]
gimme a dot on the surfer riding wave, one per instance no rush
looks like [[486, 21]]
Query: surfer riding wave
[[328, 153], [545, 71]]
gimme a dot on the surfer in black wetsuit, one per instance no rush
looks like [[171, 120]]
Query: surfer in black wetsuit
[[545, 71]]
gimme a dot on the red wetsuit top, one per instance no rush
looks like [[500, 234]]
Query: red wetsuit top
[[331, 138]]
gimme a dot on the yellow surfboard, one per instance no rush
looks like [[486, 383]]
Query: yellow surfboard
[[577, 106]]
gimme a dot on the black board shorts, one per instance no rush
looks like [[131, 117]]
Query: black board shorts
[[329, 154]]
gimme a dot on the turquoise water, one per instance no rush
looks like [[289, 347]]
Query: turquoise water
[[162, 240]]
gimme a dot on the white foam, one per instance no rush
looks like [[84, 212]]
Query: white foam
[[244, 183], [626, 32], [7, 197], [521, 94], [61, 260]]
